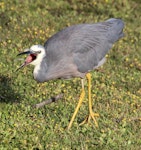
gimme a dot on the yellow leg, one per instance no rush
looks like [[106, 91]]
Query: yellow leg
[[78, 105], [91, 115]]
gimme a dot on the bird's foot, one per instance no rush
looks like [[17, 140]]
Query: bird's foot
[[92, 116]]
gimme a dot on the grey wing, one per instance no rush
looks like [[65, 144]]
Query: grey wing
[[83, 45], [92, 42]]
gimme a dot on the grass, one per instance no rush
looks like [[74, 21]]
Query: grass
[[116, 87]]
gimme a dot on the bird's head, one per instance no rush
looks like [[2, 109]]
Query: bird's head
[[34, 55]]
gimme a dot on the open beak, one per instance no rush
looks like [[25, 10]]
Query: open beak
[[31, 55], [24, 64]]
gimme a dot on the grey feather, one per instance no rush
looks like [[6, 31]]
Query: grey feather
[[78, 49]]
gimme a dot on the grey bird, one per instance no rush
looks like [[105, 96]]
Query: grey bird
[[74, 52]]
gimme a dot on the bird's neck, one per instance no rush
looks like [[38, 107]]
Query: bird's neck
[[40, 72]]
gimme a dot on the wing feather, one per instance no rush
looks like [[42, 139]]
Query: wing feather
[[85, 44]]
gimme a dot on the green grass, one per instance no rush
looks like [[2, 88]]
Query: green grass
[[116, 87]]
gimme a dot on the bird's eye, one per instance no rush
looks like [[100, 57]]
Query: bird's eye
[[39, 52]]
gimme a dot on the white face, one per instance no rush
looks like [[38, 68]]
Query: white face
[[40, 53], [35, 55]]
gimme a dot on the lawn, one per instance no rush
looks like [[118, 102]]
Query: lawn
[[116, 86]]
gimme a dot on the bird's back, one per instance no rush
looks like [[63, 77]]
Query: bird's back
[[84, 45]]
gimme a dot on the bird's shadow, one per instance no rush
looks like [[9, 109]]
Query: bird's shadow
[[7, 93]]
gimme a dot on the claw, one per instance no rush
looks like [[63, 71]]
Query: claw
[[92, 115]]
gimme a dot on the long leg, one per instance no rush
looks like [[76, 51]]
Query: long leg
[[91, 113], [78, 105]]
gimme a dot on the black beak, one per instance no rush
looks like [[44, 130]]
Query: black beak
[[20, 67], [22, 53], [29, 52], [26, 52]]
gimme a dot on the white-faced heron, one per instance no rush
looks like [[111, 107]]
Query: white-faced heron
[[74, 52]]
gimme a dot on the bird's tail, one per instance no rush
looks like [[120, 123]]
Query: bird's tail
[[116, 29]]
